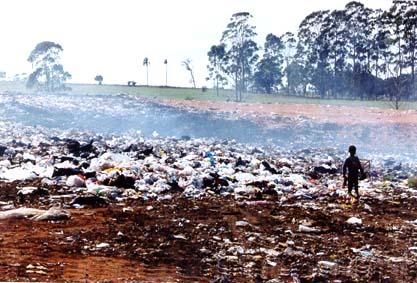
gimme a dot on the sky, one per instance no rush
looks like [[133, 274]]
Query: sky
[[112, 37]]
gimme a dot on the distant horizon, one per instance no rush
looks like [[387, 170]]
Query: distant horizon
[[111, 38]]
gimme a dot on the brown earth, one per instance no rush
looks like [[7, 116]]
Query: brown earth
[[190, 240], [318, 113]]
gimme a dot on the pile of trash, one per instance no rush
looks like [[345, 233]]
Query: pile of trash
[[99, 170]]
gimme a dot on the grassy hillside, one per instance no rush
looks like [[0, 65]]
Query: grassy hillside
[[199, 95], [153, 92]]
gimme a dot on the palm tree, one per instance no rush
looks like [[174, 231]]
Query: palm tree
[[146, 63], [166, 72]]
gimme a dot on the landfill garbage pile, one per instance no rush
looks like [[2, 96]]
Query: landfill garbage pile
[[122, 114], [198, 210]]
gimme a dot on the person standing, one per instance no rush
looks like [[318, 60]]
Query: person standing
[[351, 169]]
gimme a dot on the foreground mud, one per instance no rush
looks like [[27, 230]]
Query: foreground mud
[[222, 239]]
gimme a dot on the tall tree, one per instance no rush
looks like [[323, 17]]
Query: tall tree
[[380, 44], [240, 50], [188, 66], [166, 72], [146, 63], [48, 73], [410, 37], [296, 77], [395, 25], [357, 23], [313, 51], [334, 32], [378, 53], [217, 58], [321, 78], [268, 74], [289, 50], [400, 23]]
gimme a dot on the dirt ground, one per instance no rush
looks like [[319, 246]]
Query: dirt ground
[[319, 113], [216, 239]]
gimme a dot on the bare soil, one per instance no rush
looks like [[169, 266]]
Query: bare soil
[[319, 113], [199, 240]]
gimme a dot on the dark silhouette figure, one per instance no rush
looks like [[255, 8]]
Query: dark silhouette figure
[[353, 166]]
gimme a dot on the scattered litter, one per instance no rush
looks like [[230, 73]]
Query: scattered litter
[[242, 223], [328, 264], [181, 237], [35, 214], [354, 221], [102, 245], [306, 229]]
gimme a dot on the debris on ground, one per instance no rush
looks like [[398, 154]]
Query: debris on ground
[[35, 214], [207, 208]]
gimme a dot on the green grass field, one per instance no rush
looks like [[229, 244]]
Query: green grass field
[[199, 95]]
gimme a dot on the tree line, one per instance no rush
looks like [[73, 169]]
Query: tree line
[[356, 52], [49, 75]]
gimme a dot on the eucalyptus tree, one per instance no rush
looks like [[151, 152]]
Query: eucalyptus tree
[[380, 44], [296, 78], [395, 25], [289, 50], [401, 23], [269, 69], [217, 58], [378, 53], [410, 37], [313, 50], [358, 40], [48, 73], [241, 50], [333, 34], [356, 19]]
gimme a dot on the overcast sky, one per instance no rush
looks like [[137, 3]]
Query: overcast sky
[[111, 37]]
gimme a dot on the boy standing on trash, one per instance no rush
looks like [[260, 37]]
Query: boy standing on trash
[[353, 166]]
